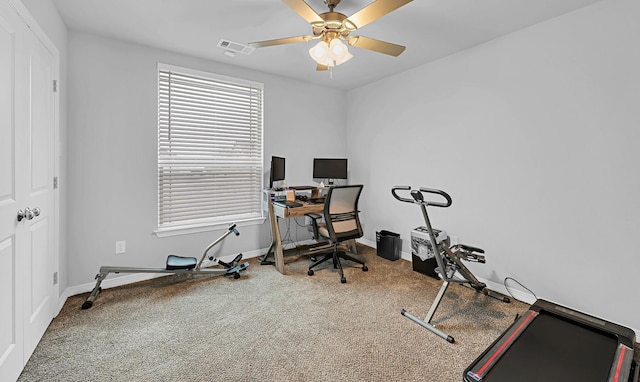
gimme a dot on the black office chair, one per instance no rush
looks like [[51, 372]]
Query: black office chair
[[341, 223]]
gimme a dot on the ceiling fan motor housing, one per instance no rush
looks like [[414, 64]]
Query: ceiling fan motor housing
[[331, 3], [332, 27]]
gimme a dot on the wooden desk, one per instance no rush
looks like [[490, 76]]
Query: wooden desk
[[294, 212], [277, 211]]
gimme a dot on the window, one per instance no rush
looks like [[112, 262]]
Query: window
[[209, 148]]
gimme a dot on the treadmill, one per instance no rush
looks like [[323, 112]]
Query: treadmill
[[553, 343]]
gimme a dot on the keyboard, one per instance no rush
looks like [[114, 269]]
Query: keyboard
[[286, 203]]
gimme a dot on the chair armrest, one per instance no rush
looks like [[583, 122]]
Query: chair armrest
[[314, 224], [313, 216]]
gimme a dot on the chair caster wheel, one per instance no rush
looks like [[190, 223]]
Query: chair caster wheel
[[343, 280], [236, 275], [364, 268], [310, 272]]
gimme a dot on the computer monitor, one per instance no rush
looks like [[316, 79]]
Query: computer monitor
[[330, 168], [277, 170]]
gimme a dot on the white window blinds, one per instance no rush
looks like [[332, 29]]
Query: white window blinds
[[209, 148]]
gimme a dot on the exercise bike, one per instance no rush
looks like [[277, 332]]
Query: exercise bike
[[177, 265], [448, 259]]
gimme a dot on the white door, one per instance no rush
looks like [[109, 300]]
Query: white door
[[27, 293], [39, 299], [11, 288]]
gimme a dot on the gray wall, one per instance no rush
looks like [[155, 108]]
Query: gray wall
[[112, 148], [535, 137]]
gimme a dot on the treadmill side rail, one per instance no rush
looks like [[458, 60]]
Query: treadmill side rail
[[484, 365], [621, 366]]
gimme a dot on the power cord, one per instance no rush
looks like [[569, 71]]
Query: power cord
[[519, 283], [298, 223], [286, 238]]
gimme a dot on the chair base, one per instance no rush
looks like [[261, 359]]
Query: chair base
[[337, 264]]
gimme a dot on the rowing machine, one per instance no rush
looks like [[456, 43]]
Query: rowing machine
[[177, 265]]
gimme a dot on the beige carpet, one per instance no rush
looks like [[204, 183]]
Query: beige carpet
[[269, 327]]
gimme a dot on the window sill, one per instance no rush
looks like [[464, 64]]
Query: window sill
[[204, 227]]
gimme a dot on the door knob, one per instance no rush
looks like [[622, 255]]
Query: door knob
[[22, 214], [28, 213]]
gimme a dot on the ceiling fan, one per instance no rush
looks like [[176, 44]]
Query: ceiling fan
[[331, 28]]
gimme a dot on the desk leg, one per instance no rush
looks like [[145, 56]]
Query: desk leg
[[265, 259], [278, 253]]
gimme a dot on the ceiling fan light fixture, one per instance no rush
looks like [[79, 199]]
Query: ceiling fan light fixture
[[320, 52], [339, 52], [332, 54]]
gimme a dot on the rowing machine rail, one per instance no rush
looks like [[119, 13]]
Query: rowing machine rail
[[177, 265]]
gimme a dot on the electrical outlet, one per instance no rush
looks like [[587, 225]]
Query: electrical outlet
[[121, 247]]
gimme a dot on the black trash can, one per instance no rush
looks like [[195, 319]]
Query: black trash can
[[388, 244]]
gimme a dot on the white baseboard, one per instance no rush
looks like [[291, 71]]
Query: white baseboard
[[519, 295], [137, 277], [368, 243]]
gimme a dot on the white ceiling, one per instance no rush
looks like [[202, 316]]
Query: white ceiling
[[430, 29]]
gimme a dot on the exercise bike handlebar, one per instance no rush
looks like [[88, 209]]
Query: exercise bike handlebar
[[418, 196]]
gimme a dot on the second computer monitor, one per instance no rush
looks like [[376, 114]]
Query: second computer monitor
[[330, 168], [277, 170]]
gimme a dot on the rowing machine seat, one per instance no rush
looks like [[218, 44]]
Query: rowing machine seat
[[179, 262]]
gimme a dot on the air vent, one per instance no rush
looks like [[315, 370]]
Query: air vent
[[235, 47]]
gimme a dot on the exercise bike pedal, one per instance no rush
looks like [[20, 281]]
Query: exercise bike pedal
[[479, 258], [469, 248], [480, 287], [472, 257]]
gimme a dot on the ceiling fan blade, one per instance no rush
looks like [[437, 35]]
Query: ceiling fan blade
[[280, 41], [376, 45], [320, 67], [375, 10], [304, 10]]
